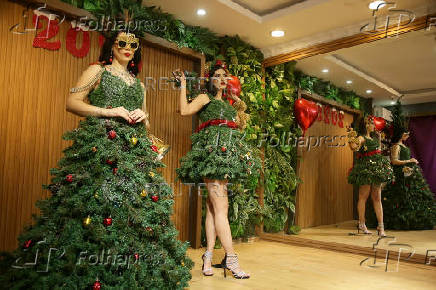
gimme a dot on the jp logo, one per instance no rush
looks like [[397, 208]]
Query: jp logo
[[389, 245]]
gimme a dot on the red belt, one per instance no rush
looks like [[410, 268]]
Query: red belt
[[217, 122], [360, 155]]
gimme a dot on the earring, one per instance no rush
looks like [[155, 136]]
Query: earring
[[132, 64], [110, 58]]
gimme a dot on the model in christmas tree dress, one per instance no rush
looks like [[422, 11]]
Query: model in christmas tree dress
[[107, 223], [370, 170], [408, 202], [219, 156]]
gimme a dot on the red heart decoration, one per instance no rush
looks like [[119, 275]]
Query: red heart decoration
[[234, 85], [379, 123], [306, 113]]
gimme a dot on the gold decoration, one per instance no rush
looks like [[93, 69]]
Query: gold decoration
[[151, 173], [241, 117], [94, 149], [87, 221], [353, 138], [162, 148], [96, 194], [183, 263], [143, 193], [133, 140]]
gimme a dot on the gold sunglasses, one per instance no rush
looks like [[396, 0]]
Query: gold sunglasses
[[125, 40]]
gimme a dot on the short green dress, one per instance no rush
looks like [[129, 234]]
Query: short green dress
[[219, 150], [370, 167], [408, 203]]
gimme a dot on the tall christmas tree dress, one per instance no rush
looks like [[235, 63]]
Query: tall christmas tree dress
[[107, 223], [219, 150]]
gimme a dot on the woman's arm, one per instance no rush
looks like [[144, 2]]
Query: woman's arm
[[395, 153], [76, 100], [193, 107]]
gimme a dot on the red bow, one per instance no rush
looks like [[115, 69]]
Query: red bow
[[216, 122]]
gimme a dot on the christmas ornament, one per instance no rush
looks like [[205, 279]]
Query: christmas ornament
[[110, 162], [133, 140], [27, 244], [96, 195], [305, 113], [97, 285], [112, 134], [69, 178], [107, 221], [151, 173], [148, 229], [136, 256], [87, 221], [155, 198], [154, 148], [94, 149], [223, 149], [183, 263], [379, 123], [143, 193], [115, 170]]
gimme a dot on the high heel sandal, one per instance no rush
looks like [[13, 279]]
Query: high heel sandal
[[207, 256], [362, 227], [380, 229], [230, 262]]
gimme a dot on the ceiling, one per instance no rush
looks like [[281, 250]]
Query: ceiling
[[403, 65], [253, 20]]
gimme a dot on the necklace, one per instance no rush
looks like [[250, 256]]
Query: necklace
[[123, 74]]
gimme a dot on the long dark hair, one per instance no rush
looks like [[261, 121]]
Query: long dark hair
[[211, 89], [106, 53]]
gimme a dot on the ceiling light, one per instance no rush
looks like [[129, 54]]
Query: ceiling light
[[277, 33], [201, 12], [349, 82], [392, 102], [375, 5], [326, 70], [368, 91]]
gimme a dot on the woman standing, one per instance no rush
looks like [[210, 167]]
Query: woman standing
[[369, 172], [109, 213], [408, 201], [219, 154]]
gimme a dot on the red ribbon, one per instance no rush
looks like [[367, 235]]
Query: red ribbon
[[360, 155], [216, 122]]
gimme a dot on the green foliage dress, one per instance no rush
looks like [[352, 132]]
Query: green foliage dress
[[109, 213], [218, 152], [408, 203], [370, 168]]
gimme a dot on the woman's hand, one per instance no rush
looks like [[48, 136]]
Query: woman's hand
[[233, 96], [119, 112], [414, 160], [138, 115], [180, 76]]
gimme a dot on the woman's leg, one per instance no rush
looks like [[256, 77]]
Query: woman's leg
[[364, 191], [378, 207], [218, 198], [210, 237]]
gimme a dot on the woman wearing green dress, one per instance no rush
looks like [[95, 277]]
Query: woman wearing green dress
[[369, 172], [219, 155], [409, 204]]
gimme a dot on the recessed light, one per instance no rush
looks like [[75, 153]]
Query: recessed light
[[201, 12], [349, 82], [368, 91], [392, 102], [277, 33], [375, 5], [326, 70]]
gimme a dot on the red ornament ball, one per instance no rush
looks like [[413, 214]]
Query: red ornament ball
[[112, 134], [69, 178], [223, 149], [155, 198], [110, 162], [97, 285], [115, 170], [107, 221], [154, 148], [136, 256], [27, 244]]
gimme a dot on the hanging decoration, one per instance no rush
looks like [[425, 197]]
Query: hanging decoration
[[306, 113]]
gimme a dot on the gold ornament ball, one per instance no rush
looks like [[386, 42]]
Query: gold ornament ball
[[96, 195], [183, 263], [143, 193], [151, 173], [94, 149], [134, 140], [87, 221]]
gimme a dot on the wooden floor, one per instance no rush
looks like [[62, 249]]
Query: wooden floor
[[340, 233], [280, 266]]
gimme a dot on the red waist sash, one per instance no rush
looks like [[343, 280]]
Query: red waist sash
[[216, 122], [360, 155]]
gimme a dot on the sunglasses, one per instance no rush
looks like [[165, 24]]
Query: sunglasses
[[124, 44]]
